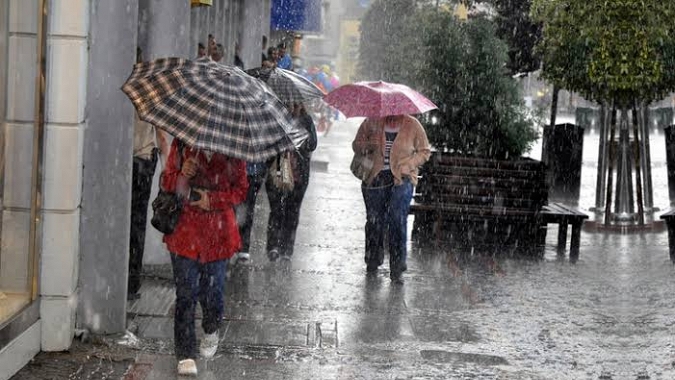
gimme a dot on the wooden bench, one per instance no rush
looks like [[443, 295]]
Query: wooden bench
[[502, 196], [669, 219], [557, 213]]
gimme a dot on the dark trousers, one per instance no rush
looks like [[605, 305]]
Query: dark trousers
[[141, 185], [195, 281], [255, 182], [285, 212], [387, 208]]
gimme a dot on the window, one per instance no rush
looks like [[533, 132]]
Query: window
[[18, 47]]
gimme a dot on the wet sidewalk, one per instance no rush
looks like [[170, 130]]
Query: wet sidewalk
[[460, 315]]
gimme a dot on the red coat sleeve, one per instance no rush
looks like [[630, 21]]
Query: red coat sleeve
[[171, 169], [233, 192]]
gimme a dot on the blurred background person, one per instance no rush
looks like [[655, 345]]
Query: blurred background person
[[149, 144], [218, 53], [264, 51], [285, 61], [272, 58], [237, 59], [201, 50]]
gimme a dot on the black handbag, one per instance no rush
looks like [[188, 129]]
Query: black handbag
[[166, 208]]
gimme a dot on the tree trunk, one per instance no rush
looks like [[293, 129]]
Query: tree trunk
[[554, 113], [646, 158], [602, 158], [554, 105], [610, 168], [638, 176]]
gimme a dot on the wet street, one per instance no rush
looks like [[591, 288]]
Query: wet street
[[459, 315]]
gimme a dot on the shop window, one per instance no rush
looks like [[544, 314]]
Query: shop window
[[18, 51]]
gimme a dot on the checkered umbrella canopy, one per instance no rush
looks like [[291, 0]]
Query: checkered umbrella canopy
[[211, 106], [289, 86]]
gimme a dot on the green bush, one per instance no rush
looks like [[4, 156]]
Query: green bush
[[461, 66]]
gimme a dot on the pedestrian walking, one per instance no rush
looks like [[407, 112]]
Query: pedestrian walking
[[291, 88], [286, 191], [396, 146], [149, 144], [225, 111], [205, 237], [285, 60], [201, 50]]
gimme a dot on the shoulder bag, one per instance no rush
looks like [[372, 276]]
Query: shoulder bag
[[167, 207], [282, 172]]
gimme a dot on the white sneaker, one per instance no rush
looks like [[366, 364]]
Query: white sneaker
[[240, 257], [187, 367], [209, 345]]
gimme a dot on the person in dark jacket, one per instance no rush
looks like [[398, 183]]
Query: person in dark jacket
[[205, 237], [285, 204], [237, 59]]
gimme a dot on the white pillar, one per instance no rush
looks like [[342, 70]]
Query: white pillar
[[107, 157], [251, 28], [164, 28], [194, 32]]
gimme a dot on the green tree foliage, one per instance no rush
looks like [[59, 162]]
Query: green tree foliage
[[460, 66], [619, 51], [481, 111], [520, 32]]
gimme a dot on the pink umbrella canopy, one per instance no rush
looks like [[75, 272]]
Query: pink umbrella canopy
[[378, 99]]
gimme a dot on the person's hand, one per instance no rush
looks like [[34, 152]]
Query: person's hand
[[189, 168], [203, 203]]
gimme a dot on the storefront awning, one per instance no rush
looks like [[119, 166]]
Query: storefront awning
[[296, 15]]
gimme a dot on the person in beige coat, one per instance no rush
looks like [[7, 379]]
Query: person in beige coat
[[397, 146]]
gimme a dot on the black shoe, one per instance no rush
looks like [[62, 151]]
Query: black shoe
[[371, 268], [396, 278], [273, 254]]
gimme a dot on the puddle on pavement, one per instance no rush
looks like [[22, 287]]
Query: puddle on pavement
[[461, 357]]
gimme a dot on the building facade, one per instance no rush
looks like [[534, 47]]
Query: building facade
[[66, 153]]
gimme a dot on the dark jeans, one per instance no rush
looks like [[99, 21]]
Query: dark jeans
[[141, 186], [196, 281], [255, 182], [285, 211], [387, 207]]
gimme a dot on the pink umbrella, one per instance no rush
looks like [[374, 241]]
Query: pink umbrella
[[378, 99]]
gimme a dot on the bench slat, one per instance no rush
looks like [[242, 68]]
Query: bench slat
[[485, 172], [479, 200], [466, 210]]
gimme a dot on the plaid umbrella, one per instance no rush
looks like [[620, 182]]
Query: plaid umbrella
[[289, 86], [211, 106]]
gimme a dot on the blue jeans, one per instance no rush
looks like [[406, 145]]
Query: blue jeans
[[196, 281], [387, 207]]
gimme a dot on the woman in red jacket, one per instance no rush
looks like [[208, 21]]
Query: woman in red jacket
[[204, 239]]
